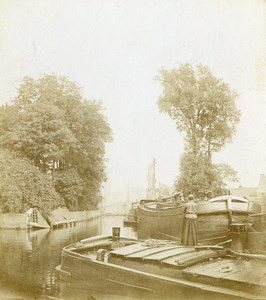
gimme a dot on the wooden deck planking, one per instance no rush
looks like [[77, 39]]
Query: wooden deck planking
[[150, 251], [242, 271], [168, 253], [134, 248]]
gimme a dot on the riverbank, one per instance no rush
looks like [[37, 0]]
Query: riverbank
[[34, 219], [62, 216]]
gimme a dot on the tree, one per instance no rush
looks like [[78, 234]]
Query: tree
[[196, 175], [202, 178], [40, 134], [225, 175], [23, 186], [61, 133], [202, 106], [69, 186]]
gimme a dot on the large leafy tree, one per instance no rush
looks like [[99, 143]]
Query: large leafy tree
[[202, 106], [62, 134]]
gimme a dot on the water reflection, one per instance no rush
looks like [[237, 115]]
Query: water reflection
[[28, 259]]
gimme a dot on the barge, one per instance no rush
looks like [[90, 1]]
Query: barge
[[164, 268]]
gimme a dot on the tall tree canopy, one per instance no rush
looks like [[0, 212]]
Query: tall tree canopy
[[202, 106], [64, 135]]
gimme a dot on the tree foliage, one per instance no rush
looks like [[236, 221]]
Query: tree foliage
[[225, 175], [51, 125], [69, 185], [202, 178], [202, 106], [196, 175], [23, 186]]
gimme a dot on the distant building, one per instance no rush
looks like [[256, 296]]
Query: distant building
[[252, 193], [245, 192]]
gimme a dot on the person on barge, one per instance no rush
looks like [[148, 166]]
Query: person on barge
[[190, 226]]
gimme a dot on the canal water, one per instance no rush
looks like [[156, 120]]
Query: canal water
[[28, 260]]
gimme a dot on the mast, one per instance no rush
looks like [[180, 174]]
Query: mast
[[151, 190]]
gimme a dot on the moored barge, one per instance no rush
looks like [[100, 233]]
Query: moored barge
[[164, 219], [163, 268]]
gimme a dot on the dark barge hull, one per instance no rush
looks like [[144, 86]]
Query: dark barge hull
[[119, 280], [214, 217], [148, 281]]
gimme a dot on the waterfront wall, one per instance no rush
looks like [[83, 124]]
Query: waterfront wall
[[59, 216], [62, 215]]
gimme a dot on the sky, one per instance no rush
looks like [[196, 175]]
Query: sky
[[115, 49]]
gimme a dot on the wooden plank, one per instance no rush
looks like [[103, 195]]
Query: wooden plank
[[246, 272], [220, 269], [201, 268], [148, 252], [124, 251], [198, 257], [182, 255], [166, 253]]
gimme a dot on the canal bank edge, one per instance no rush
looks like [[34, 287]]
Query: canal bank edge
[[33, 219]]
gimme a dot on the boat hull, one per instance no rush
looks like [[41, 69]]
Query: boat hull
[[93, 275], [214, 218], [134, 277]]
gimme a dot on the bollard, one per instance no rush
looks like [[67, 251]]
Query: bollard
[[101, 254], [237, 233]]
